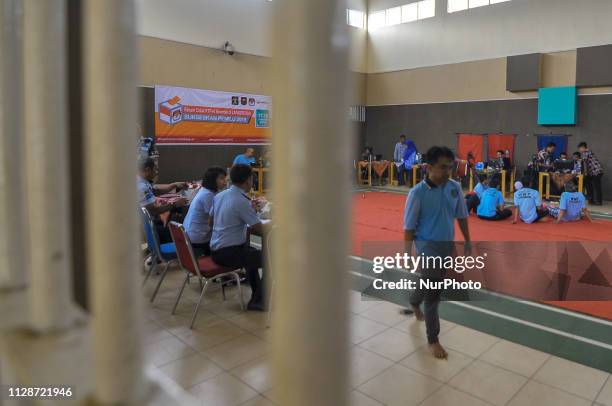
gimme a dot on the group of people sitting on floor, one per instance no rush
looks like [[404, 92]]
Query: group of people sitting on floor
[[488, 202], [217, 219]]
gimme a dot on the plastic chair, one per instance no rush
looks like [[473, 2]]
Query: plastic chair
[[166, 253], [203, 268]]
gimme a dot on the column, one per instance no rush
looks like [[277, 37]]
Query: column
[[111, 111], [311, 193]]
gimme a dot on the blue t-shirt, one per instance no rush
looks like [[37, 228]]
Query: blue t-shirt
[[242, 159], [491, 198], [196, 221], [527, 200], [430, 210], [479, 189], [572, 203]]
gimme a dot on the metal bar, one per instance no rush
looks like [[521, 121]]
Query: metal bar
[[44, 107], [311, 81], [110, 72]]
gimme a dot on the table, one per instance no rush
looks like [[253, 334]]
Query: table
[[415, 169], [361, 165], [503, 173], [564, 177]]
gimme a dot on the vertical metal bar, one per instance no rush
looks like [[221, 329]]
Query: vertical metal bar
[[111, 203], [310, 124], [13, 238], [44, 107]]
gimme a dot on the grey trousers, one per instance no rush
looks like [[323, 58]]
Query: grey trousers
[[430, 298]]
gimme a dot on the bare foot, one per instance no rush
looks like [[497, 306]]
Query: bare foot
[[438, 351], [418, 313]]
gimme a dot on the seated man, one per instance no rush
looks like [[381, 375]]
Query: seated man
[[147, 191], [196, 221], [572, 206], [491, 205], [231, 215], [472, 200], [528, 204]]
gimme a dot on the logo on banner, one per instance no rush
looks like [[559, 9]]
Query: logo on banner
[[262, 118], [243, 100], [235, 101], [251, 101], [171, 111]]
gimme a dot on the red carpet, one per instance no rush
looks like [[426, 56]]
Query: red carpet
[[378, 216]]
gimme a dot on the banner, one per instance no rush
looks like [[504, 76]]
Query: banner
[[194, 116]]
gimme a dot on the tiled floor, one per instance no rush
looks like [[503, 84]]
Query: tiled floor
[[225, 359]]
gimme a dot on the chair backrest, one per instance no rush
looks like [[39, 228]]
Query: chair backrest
[[184, 250], [150, 233]]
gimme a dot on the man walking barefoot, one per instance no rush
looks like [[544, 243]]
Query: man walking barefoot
[[431, 208]]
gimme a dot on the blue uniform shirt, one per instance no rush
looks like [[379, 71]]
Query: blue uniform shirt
[[491, 198], [479, 189], [242, 159], [527, 200], [196, 221], [572, 203], [232, 213], [430, 210], [146, 194]]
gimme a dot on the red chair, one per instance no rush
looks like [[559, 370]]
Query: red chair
[[203, 267]]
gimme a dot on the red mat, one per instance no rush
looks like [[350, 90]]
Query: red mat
[[378, 216]]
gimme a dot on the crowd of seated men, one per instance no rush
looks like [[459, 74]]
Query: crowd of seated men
[[217, 219]]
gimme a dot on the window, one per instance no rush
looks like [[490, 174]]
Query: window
[[460, 5], [427, 9], [457, 5], [393, 16], [376, 20], [410, 13], [355, 18]]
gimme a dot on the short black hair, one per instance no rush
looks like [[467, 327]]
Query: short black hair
[[570, 187], [482, 177], [148, 163], [527, 181], [501, 151], [577, 154], [240, 173], [494, 182], [582, 144], [433, 154], [551, 144], [402, 136], [209, 180]]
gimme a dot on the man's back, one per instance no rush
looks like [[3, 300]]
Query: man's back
[[491, 198], [232, 213], [527, 200], [572, 203]]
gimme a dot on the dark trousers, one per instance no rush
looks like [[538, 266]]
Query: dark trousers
[[472, 201], [431, 300], [244, 256], [163, 233], [500, 215], [401, 175], [593, 185], [201, 249], [541, 214]]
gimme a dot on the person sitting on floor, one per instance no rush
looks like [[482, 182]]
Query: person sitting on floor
[[491, 205], [472, 200], [147, 191], [196, 221], [528, 204], [232, 213], [572, 205]]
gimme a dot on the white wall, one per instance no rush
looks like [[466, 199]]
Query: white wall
[[511, 28]]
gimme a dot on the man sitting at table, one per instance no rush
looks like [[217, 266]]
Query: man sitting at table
[[248, 158], [196, 221], [528, 204], [472, 200], [572, 205], [491, 205], [232, 213], [147, 191]]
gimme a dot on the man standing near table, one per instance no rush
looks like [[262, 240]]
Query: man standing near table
[[431, 208], [148, 190], [398, 159], [232, 213], [248, 158], [594, 173], [545, 157]]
